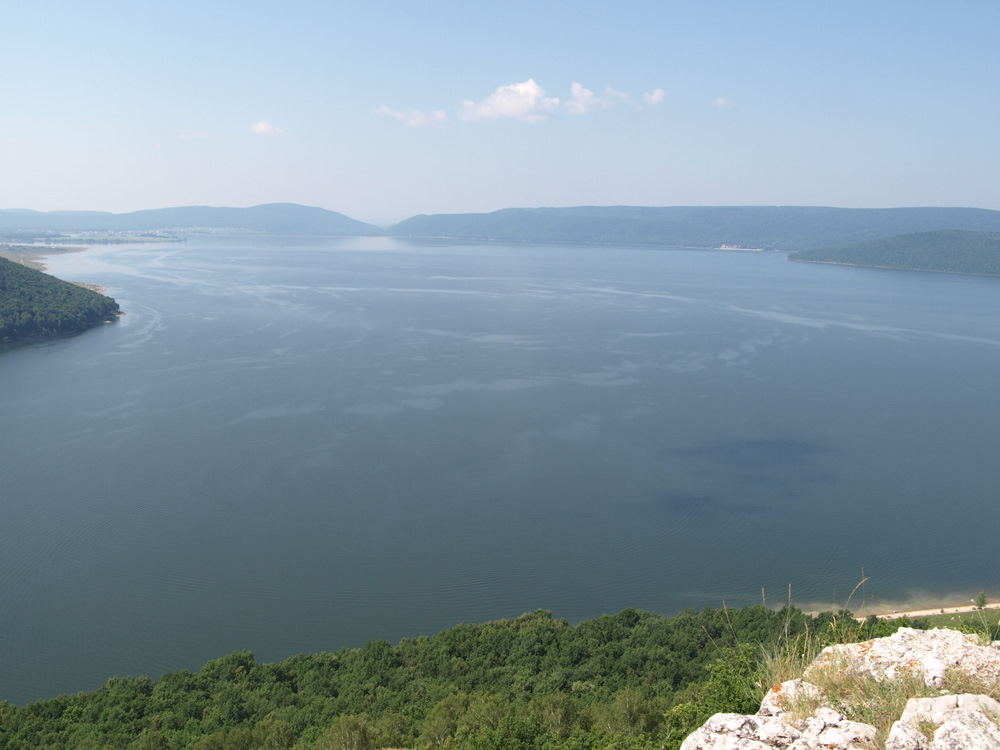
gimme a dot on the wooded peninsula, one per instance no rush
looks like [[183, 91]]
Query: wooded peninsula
[[950, 251], [35, 305]]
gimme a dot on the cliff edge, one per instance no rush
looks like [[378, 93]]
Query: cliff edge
[[919, 690]]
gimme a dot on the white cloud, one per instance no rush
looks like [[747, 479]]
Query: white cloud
[[722, 103], [613, 97], [520, 101], [263, 127], [525, 101], [654, 98], [583, 100], [415, 118]]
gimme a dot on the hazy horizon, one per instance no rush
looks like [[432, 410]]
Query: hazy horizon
[[385, 111], [388, 223]]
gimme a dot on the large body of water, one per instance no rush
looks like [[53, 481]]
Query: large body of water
[[295, 445]]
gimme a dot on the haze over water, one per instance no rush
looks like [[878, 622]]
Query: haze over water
[[295, 445]]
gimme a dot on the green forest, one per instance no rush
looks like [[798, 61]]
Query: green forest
[[951, 251], [630, 681], [34, 304]]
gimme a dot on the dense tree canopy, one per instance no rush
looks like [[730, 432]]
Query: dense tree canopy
[[945, 251], [34, 304], [631, 681]]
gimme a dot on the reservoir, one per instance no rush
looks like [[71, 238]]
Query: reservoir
[[301, 444]]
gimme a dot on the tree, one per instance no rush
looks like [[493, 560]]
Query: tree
[[348, 732], [981, 600]]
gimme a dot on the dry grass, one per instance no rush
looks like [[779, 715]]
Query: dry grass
[[927, 729], [878, 703], [959, 682], [786, 660]]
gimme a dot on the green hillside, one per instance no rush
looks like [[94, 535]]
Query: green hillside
[[944, 251], [769, 227], [34, 304], [631, 681]]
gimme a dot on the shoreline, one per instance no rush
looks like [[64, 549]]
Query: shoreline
[[34, 256], [930, 612], [917, 605], [892, 268]]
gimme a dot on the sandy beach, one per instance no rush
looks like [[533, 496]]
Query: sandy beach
[[890, 610], [947, 610]]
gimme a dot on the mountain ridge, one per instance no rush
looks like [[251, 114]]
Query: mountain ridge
[[794, 228], [267, 218], [770, 227]]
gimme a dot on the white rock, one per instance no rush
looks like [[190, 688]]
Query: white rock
[[780, 697], [967, 731], [736, 732], [925, 653], [962, 722]]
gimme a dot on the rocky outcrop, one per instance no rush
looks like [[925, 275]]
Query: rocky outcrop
[[959, 722], [909, 652], [824, 729], [945, 722]]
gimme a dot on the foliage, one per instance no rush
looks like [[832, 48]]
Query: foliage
[[34, 304], [630, 681], [947, 251]]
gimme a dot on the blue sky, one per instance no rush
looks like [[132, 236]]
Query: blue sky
[[383, 110]]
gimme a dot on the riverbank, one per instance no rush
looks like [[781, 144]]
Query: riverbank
[[931, 612], [33, 256], [917, 606]]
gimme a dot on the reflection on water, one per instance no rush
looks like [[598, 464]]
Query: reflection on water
[[301, 444]]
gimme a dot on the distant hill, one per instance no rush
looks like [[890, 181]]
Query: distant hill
[[34, 304], [950, 251], [271, 218], [772, 227]]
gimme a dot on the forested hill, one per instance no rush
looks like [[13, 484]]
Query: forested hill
[[947, 251], [770, 227], [271, 218], [631, 681], [34, 304]]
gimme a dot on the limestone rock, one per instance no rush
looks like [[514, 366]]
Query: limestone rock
[[825, 729], [779, 697], [949, 722], [925, 653], [955, 722]]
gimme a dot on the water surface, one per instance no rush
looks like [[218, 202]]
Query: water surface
[[295, 445]]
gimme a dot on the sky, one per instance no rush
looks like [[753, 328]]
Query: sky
[[382, 110]]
